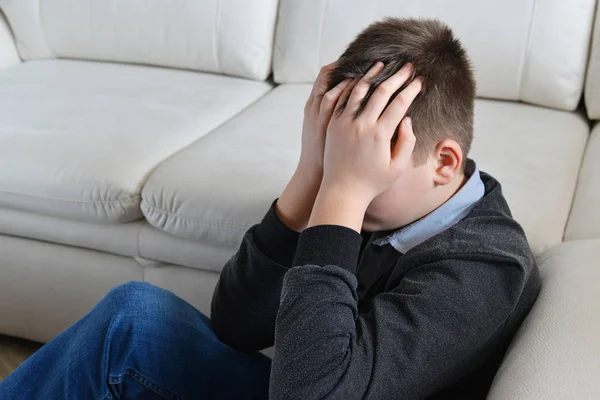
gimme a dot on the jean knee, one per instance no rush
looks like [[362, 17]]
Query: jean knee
[[137, 302], [143, 307], [130, 293], [133, 289]]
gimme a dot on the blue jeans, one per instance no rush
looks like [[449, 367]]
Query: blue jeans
[[139, 342]]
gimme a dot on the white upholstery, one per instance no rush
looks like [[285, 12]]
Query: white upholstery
[[256, 153], [78, 139], [534, 51], [584, 222], [121, 239], [556, 353], [136, 239], [8, 51], [535, 153], [592, 83], [157, 245], [88, 149], [516, 143], [45, 287], [233, 37]]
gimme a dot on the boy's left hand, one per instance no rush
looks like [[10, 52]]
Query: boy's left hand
[[359, 162]]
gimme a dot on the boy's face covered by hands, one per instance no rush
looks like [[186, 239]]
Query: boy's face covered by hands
[[360, 162], [398, 188], [369, 180], [405, 201]]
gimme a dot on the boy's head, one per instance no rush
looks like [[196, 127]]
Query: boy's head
[[442, 115]]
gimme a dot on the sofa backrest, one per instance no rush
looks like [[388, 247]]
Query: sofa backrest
[[592, 82], [8, 52], [233, 37], [529, 50]]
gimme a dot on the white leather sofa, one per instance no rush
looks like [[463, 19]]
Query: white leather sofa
[[140, 139]]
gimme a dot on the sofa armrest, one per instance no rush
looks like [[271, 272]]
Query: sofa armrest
[[556, 352], [8, 50]]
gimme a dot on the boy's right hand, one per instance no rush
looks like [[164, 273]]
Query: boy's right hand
[[296, 202], [317, 112]]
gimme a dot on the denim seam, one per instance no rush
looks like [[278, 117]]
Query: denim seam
[[150, 385]]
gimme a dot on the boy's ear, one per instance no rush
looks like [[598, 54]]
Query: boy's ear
[[448, 157]]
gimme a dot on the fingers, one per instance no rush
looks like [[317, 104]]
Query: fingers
[[398, 107], [384, 92], [330, 99], [404, 146], [346, 94], [320, 86], [362, 87]]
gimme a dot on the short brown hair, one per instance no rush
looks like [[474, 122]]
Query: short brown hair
[[444, 108]]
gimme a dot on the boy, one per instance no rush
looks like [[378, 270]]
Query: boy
[[389, 267]]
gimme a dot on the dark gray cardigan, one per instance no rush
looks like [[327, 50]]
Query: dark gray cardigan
[[432, 323]]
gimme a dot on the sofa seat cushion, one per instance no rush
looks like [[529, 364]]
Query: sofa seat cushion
[[584, 221], [137, 239], [555, 353], [215, 189], [78, 139]]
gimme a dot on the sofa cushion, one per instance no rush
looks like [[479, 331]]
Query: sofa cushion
[[592, 82], [78, 139], [223, 36], [244, 165], [535, 153], [45, 287], [218, 187], [137, 239], [121, 239], [529, 50], [555, 354], [584, 221], [8, 51]]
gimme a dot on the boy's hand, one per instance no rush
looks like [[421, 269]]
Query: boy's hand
[[317, 112], [359, 162], [296, 202]]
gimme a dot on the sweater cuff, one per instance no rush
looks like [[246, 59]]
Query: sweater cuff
[[275, 239], [329, 245]]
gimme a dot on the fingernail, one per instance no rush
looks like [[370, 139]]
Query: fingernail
[[408, 122], [419, 79], [378, 64], [408, 67]]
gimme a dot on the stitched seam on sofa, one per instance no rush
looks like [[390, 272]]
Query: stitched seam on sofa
[[11, 35], [39, 12], [126, 200], [526, 51], [195, 220], [592, 64], [138, 238], [215, 36], [574, 197], [320, 33]]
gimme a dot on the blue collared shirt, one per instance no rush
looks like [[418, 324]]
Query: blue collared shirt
[[442, 218]]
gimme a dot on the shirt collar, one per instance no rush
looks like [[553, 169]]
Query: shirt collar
[[442, 218]]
